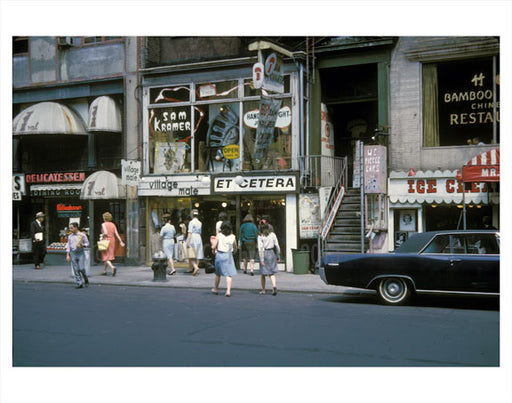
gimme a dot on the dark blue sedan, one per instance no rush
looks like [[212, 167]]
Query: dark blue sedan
[[444, 262]]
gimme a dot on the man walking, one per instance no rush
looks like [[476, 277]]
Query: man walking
[[75, 254], [37, 236]]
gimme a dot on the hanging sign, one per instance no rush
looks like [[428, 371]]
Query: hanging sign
[[257, 75], [130, 172], [18, 186], [273, 79], [375, 178], [267, 118]]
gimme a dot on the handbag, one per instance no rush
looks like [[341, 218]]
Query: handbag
[[103, 244], [188, 253]]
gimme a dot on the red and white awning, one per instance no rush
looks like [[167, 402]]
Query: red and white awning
[[484, 167]]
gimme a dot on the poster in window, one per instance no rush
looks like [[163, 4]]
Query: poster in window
[[170, 157], [407, 220]]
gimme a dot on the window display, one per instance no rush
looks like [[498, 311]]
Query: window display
[[213, 127]]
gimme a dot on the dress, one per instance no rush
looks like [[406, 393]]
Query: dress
[[266, 245], [110, 229], [168, 232], [196, 242], [224, 262]]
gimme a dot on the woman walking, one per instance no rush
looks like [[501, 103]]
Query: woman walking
[[168, 232], [109, 232], [195, 242], [224, 263], [269, 251], [248, 236]]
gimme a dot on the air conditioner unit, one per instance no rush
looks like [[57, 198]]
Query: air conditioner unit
[[65, 41]]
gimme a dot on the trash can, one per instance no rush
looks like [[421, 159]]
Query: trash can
[[300, 261]]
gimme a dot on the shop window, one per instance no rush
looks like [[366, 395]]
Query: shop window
[[211, 127], [460, 104], [19, 45], [270, 151], [89, 40]]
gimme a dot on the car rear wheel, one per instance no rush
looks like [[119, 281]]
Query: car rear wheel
[[394, 291]]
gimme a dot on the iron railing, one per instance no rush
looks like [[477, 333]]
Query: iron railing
[[322, 171]]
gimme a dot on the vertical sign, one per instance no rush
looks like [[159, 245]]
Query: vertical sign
[[130, 172], [273, 79], [18, 186], [374, 169], [267, 118]]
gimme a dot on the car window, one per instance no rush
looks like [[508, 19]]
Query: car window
[[482, 244], [440, 244], [458, 244]]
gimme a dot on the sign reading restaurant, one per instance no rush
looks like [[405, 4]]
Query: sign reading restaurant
[[255, 184]]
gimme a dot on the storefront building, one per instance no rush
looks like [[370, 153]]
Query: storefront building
[[68, 96], [445, 112], [202, 148]]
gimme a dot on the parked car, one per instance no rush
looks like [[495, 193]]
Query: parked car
[[443, 262]]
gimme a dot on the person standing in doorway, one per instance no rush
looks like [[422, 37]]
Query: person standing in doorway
[[168, 232], [224, 263], [248, 238], [109, 232], [77, 241], [37, 236], [269, 251], [195, 242]]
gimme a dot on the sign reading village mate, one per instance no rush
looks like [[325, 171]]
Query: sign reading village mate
[[255, 184]]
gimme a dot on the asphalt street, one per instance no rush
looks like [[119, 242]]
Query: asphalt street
[[105, 325]]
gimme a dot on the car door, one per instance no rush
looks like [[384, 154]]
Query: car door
[[433, 270], [475, 263]]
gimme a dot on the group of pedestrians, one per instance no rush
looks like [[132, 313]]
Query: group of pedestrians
[[252, 239]]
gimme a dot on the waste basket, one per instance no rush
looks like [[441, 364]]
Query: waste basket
[[300, 261]]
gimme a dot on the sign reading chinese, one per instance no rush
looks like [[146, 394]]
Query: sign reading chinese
[[375, 177]]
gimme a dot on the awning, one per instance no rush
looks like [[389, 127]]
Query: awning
[[485, 167], [48, 118], [102, 185], [104, 115]]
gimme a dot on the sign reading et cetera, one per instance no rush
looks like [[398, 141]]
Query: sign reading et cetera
[[255, 184]]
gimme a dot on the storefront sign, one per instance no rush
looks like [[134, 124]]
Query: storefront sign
[[257, 75], [326, 132], [130, 172], [55, 177], [435, 187], [374, 169], [62, 190], [173, 121], [175, 186], [284, 118], [18, 186], [255, 184], [67, 210], [267, 118]]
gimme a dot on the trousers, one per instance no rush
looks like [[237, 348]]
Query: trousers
[[77, 259]]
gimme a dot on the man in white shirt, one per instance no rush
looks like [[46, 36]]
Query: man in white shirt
[[75, 254]]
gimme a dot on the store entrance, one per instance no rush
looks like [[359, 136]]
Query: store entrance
[[351, 96], [450, 217]]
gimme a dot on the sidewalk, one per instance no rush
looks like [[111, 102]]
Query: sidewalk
[[142, 276]]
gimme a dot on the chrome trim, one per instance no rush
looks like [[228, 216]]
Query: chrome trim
[[457, 292], [321, 271]]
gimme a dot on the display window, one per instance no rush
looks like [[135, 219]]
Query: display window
[[461, 103], [213, 127]]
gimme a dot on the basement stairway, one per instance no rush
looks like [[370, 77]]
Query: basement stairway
[[345, 234]]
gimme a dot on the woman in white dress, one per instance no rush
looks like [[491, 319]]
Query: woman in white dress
[[168, 232], [195, 242]]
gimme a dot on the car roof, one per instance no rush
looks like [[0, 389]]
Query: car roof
[[419, 240]]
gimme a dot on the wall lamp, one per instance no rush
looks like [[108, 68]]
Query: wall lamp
[[381, 131]]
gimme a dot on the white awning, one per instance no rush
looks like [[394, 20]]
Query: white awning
[[104, 115], [102, 185], [48, 118]]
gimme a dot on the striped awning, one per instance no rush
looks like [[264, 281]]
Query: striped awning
[[485, 167]]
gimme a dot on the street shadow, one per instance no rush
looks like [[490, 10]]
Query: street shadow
[[451, 302]]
